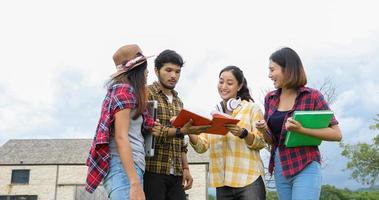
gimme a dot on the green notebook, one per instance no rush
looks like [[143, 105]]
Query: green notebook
[[309, 119]]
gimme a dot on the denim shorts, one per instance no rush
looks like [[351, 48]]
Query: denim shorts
[[116, 183]]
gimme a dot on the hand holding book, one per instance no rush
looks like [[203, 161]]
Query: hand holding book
[[293, 125], [214, 126], [156, 128], [234, 129], [306, 119], [188, 128]]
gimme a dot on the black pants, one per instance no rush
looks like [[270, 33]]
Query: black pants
[[163, 187], [254, 191]]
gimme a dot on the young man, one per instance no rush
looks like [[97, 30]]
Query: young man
[[167, 174]]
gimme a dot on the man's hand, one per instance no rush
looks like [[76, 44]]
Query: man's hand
[[189, 129], [156, 130], [187, 179]]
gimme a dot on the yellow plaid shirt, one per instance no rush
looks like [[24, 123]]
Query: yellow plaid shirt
[[232, 162]]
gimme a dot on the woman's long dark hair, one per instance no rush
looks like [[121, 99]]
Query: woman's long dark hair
[[136, 78], [244, 92]]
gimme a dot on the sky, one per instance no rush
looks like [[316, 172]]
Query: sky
[[56, 57]]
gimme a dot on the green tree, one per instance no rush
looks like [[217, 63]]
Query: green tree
[[329, 192], [364, 159]]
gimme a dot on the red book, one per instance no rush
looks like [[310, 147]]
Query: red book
[[217, 122]]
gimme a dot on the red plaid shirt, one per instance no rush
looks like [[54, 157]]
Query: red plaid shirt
[[294, 159], [119, 97]]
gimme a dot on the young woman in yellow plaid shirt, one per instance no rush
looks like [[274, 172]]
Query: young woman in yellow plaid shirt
[[236, 169]]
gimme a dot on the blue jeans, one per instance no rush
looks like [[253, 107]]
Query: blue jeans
[[116, 183], [306, 185]]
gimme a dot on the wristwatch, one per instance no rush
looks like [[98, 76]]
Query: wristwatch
[[244, 133], [178, 134]]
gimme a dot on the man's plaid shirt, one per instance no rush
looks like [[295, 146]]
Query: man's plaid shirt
[[295, 159], [167, 149]]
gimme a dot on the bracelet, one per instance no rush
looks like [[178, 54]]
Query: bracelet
[[244, 133], [185, 168]]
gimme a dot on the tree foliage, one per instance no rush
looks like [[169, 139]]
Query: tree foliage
[[329, 192], [364, 159], [376, 125]]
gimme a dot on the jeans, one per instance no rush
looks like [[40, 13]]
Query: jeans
[[116, 183], [306, 185], [254, 191]]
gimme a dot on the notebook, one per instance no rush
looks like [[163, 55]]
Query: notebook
[[217, 122], [152, 107], [308, 119]]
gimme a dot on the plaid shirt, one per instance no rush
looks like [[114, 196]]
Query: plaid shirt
[[233, 162], [119, 97], [294, 159], [167, 149]]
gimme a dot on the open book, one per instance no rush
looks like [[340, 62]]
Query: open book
[[308, 119], [217, 122]]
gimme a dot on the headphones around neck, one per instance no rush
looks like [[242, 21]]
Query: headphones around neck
[[231, 105]]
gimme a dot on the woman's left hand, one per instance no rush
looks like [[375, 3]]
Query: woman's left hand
[[234, 129], [293, 125]]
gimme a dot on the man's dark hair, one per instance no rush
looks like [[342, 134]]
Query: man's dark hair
[[168, 56]]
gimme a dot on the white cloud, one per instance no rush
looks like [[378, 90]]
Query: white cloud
[[22, 109], [345, 100]]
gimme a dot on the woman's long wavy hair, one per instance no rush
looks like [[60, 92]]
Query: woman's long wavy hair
[[136, 78]]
